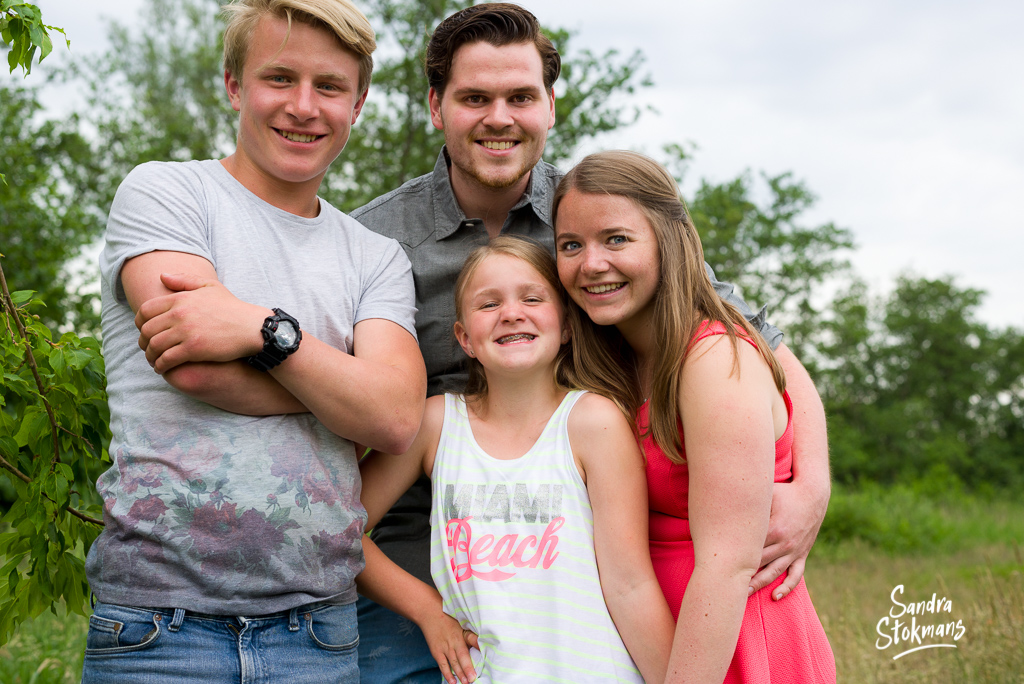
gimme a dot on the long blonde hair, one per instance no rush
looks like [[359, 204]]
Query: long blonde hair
[[684, 297]]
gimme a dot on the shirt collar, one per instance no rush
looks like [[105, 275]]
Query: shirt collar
[[448, 215]]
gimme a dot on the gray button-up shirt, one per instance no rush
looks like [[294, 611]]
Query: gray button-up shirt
[[427, 221], [425, 218]]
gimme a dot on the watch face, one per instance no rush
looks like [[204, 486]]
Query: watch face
[[286, 335]]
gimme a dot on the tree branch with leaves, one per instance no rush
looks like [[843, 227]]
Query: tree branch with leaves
[[54, 422], [53, 436]]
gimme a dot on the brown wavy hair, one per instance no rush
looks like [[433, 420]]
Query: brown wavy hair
[[684, 298]]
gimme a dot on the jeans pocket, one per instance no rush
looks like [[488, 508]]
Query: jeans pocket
[[117, 629], [333, 628]]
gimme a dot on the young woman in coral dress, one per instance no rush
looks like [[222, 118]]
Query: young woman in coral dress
[[713, 416]]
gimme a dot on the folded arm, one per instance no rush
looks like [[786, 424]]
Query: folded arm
[[385, 477], [231, 385], [373, 396], [729, 438], [613, 470]]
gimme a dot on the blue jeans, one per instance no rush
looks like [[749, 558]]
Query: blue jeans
[[313, 644], [392, 649]]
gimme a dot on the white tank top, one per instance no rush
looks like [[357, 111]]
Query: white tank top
[[512, 554]]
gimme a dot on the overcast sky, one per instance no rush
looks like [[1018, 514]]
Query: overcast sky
[[904, 118]]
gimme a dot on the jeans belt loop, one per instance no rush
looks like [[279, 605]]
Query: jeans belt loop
[[293, 620], [179, 617]]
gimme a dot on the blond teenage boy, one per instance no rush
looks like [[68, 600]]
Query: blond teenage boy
[[252, 334]]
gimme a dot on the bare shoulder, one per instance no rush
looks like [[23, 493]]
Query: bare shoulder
[[721, 380], [716, 359], [602, 440], [594, 413], [597, 426]]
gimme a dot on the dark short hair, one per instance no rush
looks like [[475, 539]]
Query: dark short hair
[[496, 23]]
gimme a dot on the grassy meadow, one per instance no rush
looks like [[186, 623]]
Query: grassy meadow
[[964, 548]]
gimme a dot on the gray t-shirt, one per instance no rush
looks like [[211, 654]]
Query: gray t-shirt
[[206, 509], [424, 216]]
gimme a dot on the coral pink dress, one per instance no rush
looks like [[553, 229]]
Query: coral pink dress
[[780, 641]]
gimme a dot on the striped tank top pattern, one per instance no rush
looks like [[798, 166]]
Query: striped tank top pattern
[[512, 554]]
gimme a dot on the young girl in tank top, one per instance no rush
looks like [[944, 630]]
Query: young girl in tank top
[[535, 486]]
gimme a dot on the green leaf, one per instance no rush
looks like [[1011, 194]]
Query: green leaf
[[33, 425], [37, 33], [79, 359], [279, 516], [22, 296], [65, 470], [57, 362]]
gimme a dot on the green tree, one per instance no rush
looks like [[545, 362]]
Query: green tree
[[157, 93], [764, 249], [53, 409], [917, 387], [48, 207], [53, 443], [23, 34]]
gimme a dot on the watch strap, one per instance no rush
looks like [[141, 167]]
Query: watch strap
[[269, 357]]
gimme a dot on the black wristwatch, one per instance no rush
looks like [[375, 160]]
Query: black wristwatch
[[281, 337]]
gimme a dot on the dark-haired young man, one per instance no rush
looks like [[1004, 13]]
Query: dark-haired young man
[[491, 74]]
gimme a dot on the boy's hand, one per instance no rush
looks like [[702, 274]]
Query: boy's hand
[[200, 321], [793, 527]]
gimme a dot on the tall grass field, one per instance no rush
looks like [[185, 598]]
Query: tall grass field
[[958, 559]]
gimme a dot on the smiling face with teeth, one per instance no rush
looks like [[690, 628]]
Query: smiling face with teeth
[[511, 318], [495, 114], [608, 259], [297, 100]]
